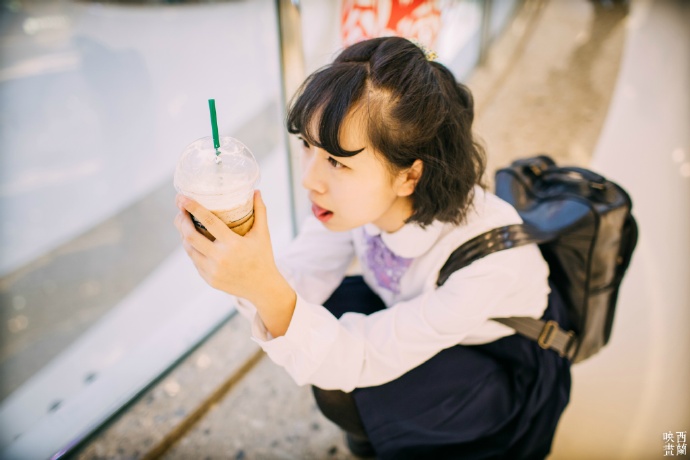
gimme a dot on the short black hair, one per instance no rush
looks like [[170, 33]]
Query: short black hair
[[415, 110]]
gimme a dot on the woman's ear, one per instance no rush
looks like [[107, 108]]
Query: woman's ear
[[409, 177]]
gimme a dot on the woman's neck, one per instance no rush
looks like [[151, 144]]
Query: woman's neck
[[394, 219]]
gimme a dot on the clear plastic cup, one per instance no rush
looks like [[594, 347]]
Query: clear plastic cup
[[224, 183]]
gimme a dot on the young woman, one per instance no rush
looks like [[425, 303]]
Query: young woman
[[408, 369]]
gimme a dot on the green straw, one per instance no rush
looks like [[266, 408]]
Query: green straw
[[214, 124]]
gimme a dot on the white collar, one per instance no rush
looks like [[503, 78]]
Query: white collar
[[411, 240]]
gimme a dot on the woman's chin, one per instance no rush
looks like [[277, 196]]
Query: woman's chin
[[337, 225]]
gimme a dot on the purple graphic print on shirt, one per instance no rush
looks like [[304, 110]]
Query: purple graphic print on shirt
[[388, 268]]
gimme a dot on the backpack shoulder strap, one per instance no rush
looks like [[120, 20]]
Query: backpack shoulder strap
[[546, 333], [498, 239]]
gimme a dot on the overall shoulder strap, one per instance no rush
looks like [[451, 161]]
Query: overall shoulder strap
[[546, 333]]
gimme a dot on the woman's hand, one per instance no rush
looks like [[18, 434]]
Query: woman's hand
[[243, 266]]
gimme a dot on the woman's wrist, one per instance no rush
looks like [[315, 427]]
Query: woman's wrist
[[275, 302]]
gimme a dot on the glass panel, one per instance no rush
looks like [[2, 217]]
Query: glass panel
[[460, 36], [501, 12], [98, 101]]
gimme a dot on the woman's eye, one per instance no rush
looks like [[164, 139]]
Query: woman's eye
[[335, 163], [305, 144]]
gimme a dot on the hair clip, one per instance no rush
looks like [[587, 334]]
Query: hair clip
[[429, 54]]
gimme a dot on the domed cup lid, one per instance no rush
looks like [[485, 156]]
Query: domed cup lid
[[217, 181]]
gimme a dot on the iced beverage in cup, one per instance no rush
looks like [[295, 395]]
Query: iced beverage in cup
[[220, 179]]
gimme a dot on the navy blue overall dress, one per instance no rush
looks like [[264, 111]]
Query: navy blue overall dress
[[500, 400]]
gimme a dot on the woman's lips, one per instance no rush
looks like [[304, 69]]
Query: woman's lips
[[323, 215]]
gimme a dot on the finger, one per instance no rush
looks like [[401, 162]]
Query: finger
[[191, 235], [213, 224], [260, 213], [186, 226], [197, 257], [179, 222], [199, 260]]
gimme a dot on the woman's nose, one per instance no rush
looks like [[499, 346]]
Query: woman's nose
[[311, 179]]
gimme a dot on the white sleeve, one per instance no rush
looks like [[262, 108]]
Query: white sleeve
[[360, 351]]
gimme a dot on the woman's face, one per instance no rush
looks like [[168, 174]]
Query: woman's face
[[349, 192]]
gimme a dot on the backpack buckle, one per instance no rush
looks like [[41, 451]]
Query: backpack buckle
[[548, 334]]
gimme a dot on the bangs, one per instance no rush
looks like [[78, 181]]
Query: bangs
[[326, 97]]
